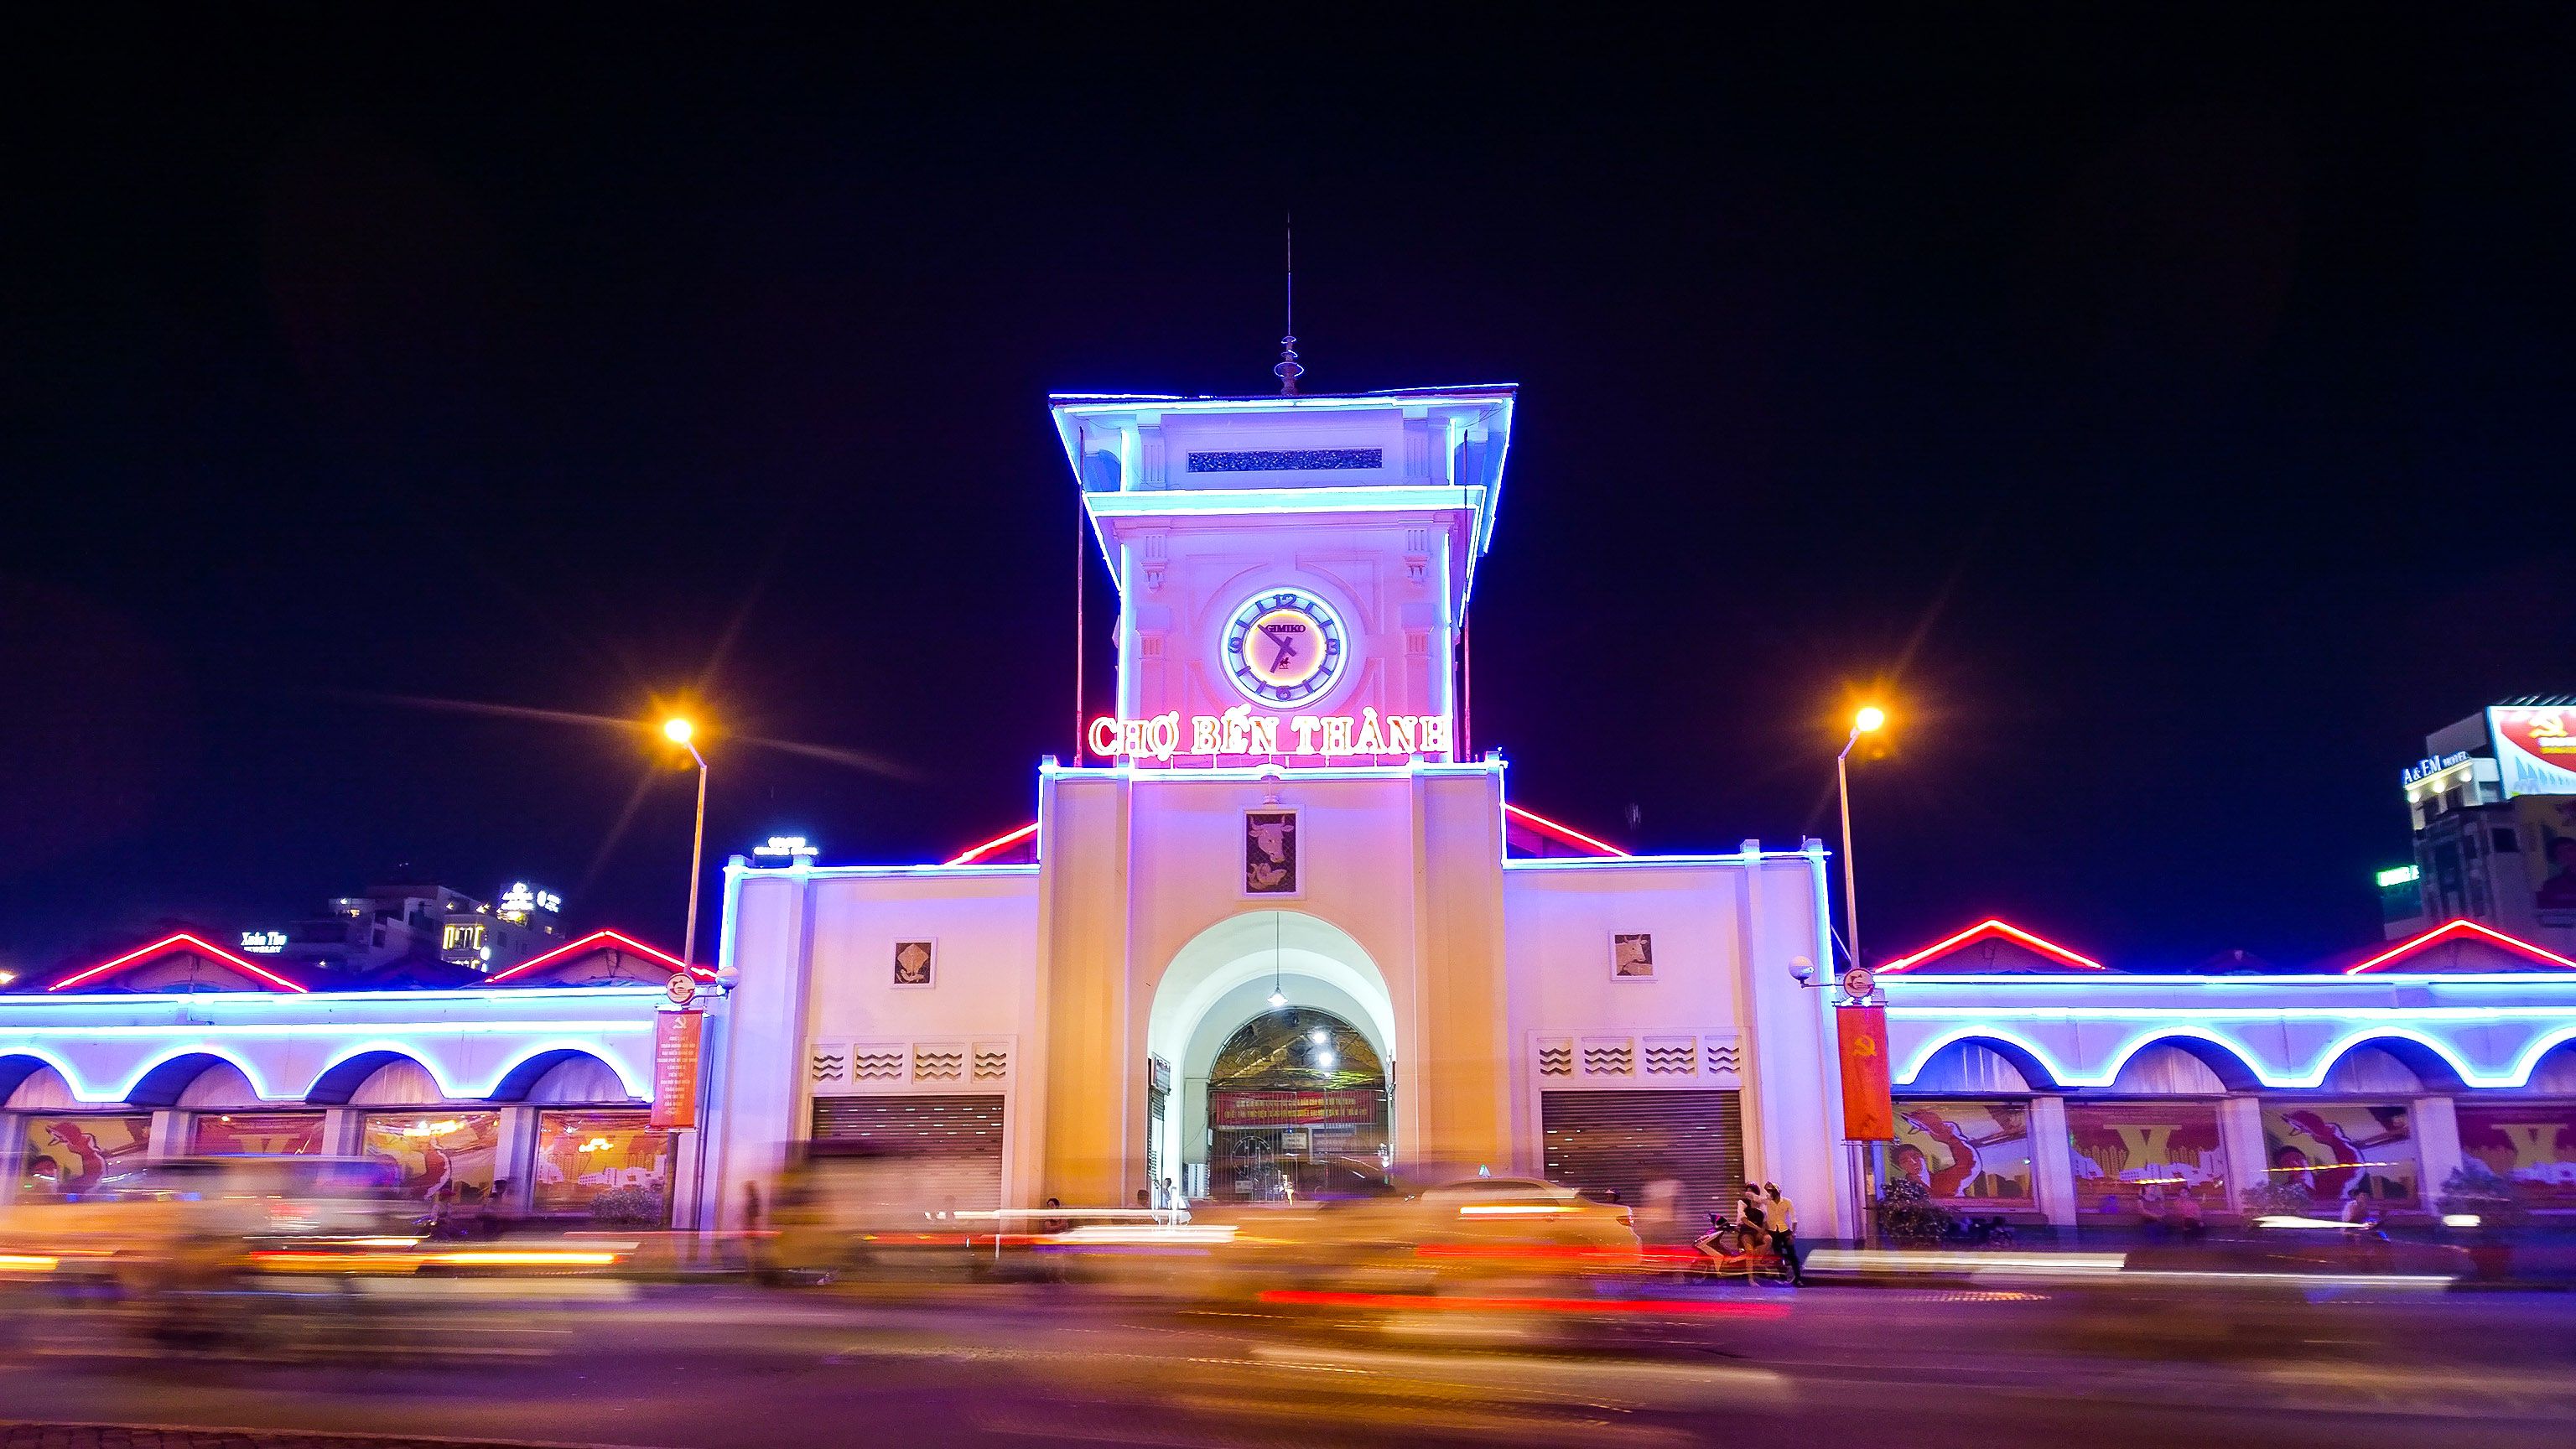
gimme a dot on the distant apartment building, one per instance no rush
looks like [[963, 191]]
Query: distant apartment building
[[415, 922], [2493, 804]]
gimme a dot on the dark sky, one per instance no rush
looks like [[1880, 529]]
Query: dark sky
[[2173, 422]]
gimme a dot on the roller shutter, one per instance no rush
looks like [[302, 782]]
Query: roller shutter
[[954, 1144], [1606, 1141]]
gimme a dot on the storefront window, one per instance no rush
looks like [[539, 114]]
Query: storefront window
[[2333, 1151], [68, 1154], [437, 1149], [2143, 1159], [1972, 1155], [611, 1166], [232, 1134], [2531, 1145]]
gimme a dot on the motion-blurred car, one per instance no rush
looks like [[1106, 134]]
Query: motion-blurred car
[[859, 1211], [1471, 1227], [195, 1217]]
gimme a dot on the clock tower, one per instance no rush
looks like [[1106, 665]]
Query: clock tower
[[1292, 571]]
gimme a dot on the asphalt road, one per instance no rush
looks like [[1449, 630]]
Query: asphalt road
[[740, 1368]]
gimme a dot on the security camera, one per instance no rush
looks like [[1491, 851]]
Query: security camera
[[1803, 969]]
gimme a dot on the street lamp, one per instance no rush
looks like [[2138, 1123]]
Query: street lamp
[[680, 732], [1870, 719]]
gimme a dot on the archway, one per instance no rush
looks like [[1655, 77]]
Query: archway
[[1232, 976], [1296, 1104]]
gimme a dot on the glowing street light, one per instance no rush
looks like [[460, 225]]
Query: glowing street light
[[679, 731], [1870, 719]]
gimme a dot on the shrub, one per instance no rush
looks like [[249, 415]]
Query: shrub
[[2474, 1187], [1907, 1214], [629, 1207]]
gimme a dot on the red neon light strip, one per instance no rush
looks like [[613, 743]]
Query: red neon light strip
[[591, 943], [997, 842], [1563, 831], [1315, 1298], [1994, 927], [166, 944], [2448, 928]]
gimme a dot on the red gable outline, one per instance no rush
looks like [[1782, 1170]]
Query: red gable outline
[[2462, 927], [1989, 927], [183, 940], [599, 940]]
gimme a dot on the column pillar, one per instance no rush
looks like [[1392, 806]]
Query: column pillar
[[340, 1133], [2052, 1161], [510, 1154], [2437, 1146], [2240, 1133], [169, 1137]]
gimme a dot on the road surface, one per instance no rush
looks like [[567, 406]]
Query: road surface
[[709, 1367]]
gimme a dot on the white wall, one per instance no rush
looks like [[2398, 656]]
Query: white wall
[[1725, 929]]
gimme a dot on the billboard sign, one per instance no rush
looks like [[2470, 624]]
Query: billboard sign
[[2535, 747], [1255, 1110]]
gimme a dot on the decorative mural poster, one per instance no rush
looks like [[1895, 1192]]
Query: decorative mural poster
[[605, 1164], [2130, 1156], [259, 1134], [2335, 1149], [1632, 957], [68, 1154], [913, 961], [2531, 1145], [1270, 852], [1966, 1154], [434, 1150]]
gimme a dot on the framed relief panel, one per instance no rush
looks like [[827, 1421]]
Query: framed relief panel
[[1632, 956], [1271, 852], [915, 963]]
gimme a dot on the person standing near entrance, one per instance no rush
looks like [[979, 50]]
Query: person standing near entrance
[[1782, 1215]]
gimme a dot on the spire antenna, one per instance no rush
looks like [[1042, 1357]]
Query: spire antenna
[[1289, 369]]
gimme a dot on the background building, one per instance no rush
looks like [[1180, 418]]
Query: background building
[[2493, 804], [400, 925]]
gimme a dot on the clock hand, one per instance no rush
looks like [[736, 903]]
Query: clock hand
[[1287, 643]]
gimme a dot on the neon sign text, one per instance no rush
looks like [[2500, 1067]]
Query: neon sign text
[[1240, 732]]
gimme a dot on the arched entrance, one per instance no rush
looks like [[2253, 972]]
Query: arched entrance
[[1255, 968], [1296, 1104]]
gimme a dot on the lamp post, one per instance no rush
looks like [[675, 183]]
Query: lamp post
[[680, 732], [1869, 719]]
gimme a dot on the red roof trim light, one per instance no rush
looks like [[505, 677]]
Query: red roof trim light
[[972, 854], [2514, 944], [183, 940], [593, 942], [1991, 926], [1561, 831]]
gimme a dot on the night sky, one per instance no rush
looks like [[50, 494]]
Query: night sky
[[2173, 425]]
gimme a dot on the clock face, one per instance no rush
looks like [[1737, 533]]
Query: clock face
[[1284, 647]]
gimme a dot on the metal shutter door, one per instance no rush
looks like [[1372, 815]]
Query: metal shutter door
[[1600, 1141], [953, 1143]]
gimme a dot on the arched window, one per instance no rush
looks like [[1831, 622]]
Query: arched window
[[1970, 1067]]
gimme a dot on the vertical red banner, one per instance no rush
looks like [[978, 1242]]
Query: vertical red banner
[[1868, 1114], [677, 1036]]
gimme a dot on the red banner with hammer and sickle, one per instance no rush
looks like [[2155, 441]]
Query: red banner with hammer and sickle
[[1868, 1115]]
